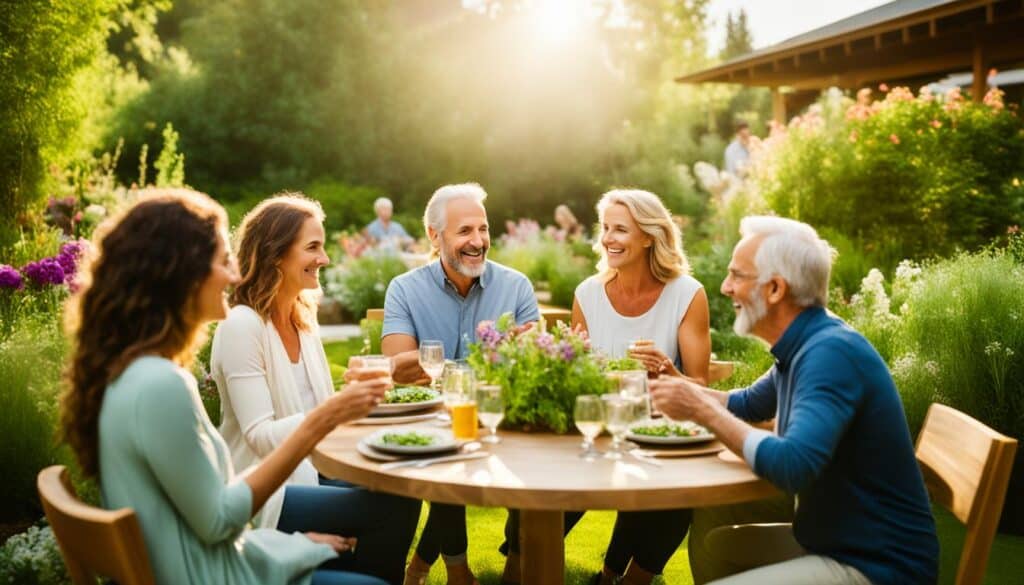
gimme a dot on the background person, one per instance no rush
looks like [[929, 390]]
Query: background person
[[384, 232], [737, 153]]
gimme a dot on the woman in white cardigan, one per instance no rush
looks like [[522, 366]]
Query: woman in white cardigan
[[270, 369]]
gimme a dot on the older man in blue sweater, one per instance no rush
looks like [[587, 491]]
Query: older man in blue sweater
[[841, 442]]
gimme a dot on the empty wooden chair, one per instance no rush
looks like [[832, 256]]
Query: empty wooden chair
[[720, 370], [552, 315], [94, 542], [966, 467], [374, 314]]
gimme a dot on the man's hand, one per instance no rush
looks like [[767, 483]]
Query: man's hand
[[679, 398], [407, 368]]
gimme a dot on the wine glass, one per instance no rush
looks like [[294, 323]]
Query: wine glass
[[490, 410], [633, 386], [432, 359], [589, 417], [620, 412]]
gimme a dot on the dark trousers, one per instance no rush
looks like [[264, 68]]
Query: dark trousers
[[383, 524], [649, 538], [444, 532]]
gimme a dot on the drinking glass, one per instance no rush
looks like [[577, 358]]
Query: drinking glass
[[380, 364], [620, 412], [457, 384], [490, 409], [633, 386], [589, 417], [432, 359]]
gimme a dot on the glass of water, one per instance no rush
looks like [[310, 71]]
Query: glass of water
[[589, 417], [490, 410], [432, 359], [619, 413]]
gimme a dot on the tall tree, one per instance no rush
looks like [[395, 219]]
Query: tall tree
[[738, 40]]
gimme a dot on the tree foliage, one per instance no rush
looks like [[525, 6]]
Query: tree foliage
[[44, 45]]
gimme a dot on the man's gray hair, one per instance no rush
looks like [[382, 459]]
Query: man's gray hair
[[794, 251], [382, 202], [435, 216]]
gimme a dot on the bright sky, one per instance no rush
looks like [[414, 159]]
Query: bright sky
[[771, 21]]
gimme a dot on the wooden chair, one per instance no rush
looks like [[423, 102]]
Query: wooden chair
[[552, 315], [720, 370], [966, 467], [94, 542], [374, 314]]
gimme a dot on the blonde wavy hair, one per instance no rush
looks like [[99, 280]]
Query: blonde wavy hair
[[666, 256], [136, 296], [262, 240]]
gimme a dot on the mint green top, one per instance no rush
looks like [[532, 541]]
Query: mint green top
[[160, 455]]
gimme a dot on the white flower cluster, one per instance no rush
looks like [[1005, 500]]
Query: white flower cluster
[[996, 349]]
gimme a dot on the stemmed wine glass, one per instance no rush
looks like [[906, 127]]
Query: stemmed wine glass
[[432, 359], [620, 412], [589, 417], [490, 410]]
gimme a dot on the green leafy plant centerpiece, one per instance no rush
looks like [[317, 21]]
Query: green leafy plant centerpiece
[[541, 372]]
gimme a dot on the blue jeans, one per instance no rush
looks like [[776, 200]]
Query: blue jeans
[[383, 524]]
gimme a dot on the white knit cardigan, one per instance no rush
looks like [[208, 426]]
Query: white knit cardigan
[[260, 404]]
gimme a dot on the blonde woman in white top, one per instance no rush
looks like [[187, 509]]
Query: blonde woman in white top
[[643, 290], [270, 369]]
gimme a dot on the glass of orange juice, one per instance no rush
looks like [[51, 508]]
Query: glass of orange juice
[[464, 419]]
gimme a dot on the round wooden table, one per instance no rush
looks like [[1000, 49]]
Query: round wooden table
[[542, 475]]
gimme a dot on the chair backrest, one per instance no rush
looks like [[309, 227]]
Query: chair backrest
[[966, 467], [720, 370], [93, 542], [552, 315], [374, 314]]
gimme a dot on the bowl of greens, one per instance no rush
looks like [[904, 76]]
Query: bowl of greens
[[412, 441], [663, 432], [403, 399]]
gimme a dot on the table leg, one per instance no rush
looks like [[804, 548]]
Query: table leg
[[542, 546]]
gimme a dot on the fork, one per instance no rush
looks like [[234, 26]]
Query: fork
[[421, 463]]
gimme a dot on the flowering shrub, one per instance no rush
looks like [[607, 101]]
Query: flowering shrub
[[32, 558], [555, 264], [360, 283], [952, 331], [917, 175], [541, 372]]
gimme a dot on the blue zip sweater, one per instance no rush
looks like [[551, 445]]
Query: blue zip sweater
[[844, 448]]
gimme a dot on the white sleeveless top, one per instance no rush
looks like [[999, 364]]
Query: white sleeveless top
[[610, 332]]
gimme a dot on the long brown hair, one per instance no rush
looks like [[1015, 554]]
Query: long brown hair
[[137, 297], [263, 239]]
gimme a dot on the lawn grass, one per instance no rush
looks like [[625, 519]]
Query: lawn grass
[[585, 546]]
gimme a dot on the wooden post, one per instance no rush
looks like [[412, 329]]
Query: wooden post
[[979, 82], [778, 106], [542, 547]]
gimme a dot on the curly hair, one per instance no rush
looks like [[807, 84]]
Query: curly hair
[[667, 259], [263, 239], [137, 296]]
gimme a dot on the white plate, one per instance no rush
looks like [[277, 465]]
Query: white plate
[[443, 441], [654, 440], [400, 407], [398, 419]]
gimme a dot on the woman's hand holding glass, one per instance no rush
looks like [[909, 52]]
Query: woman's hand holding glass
[[357, 398]]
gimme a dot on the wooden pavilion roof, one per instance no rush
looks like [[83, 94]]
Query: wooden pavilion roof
[[903, 42]]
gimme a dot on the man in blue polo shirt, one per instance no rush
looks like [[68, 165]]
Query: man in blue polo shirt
[[841, 442], [445, 300]]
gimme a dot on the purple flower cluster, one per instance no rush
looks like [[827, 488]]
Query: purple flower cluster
[[567, 351], [546, 342], [489, 334], [10, 278], [70, 254], [44, 272]]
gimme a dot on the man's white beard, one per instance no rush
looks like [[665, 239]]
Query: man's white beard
[[750, 314], [455, 262]]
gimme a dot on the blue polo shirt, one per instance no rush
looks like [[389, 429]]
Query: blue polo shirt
[[377, 231], [423, 303], [844, 448]]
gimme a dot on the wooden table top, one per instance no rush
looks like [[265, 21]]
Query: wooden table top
[[540, 471]]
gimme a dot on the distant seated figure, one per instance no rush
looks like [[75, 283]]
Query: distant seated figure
[[737, 154], [383, 232], [569, 228]]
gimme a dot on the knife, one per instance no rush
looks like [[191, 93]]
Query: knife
[[418, 463]]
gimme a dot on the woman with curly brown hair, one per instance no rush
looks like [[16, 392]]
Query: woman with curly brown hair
[[133, 416], [271, 371]]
